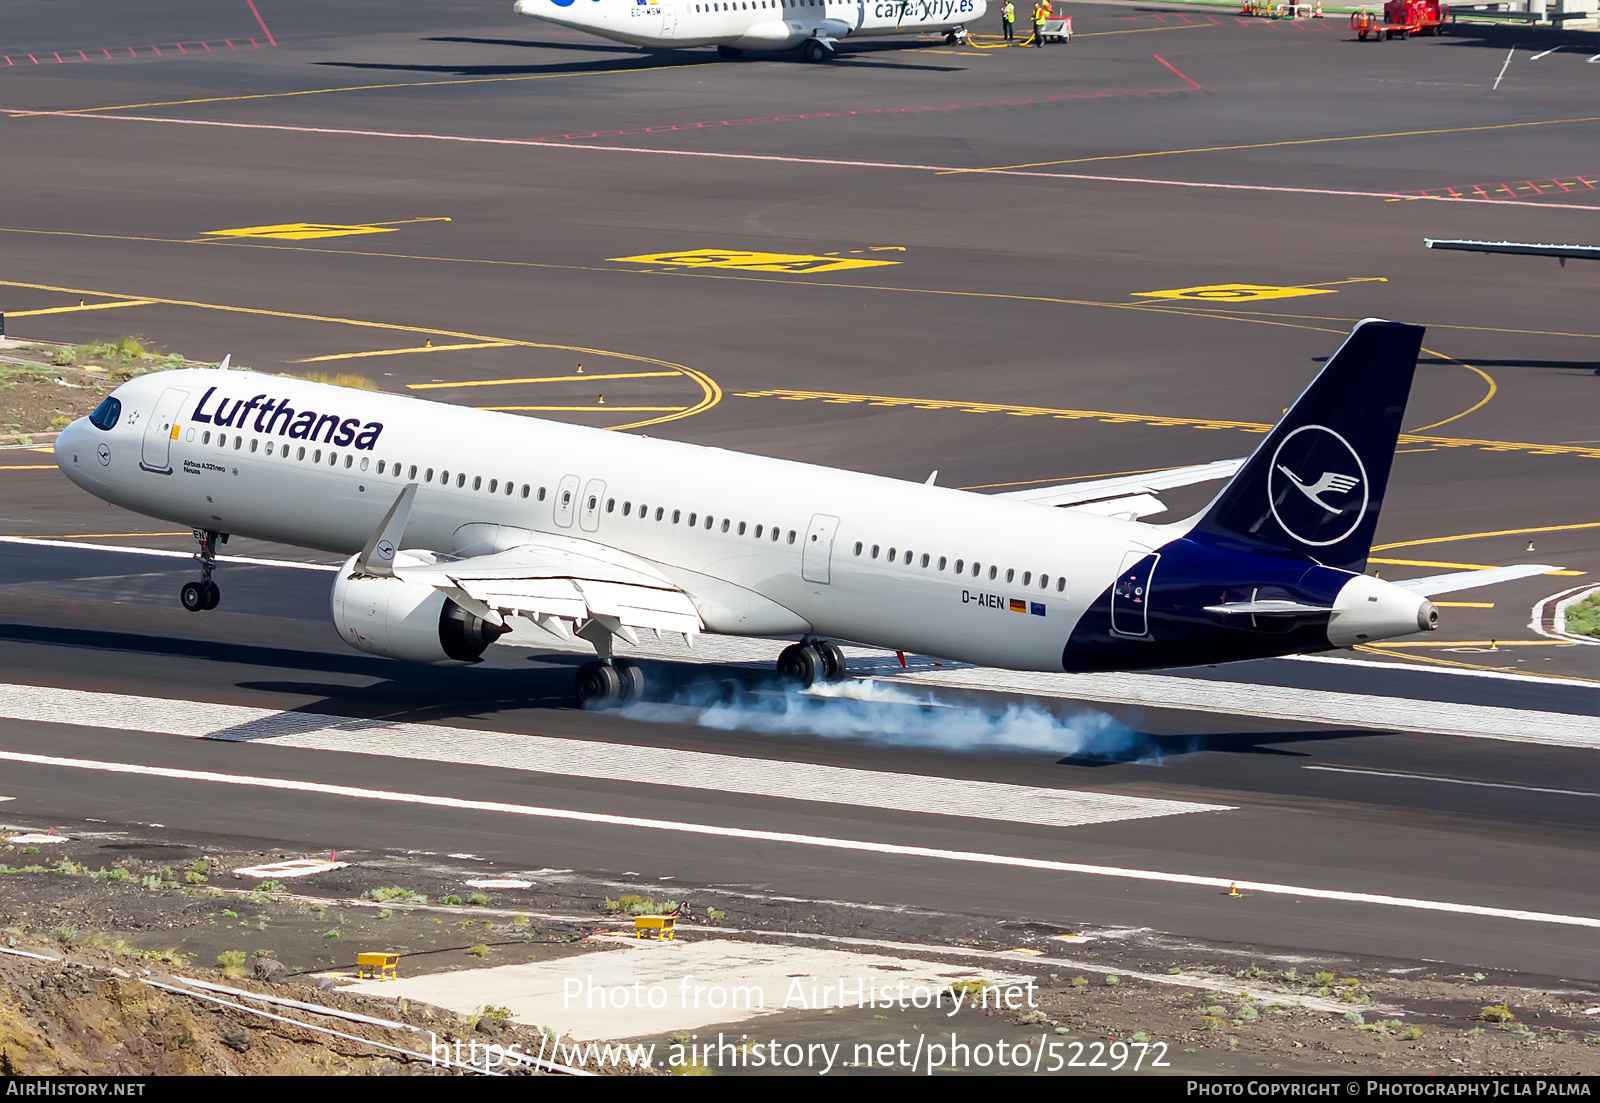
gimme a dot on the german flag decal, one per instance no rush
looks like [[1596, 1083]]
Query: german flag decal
[[1018, 605]]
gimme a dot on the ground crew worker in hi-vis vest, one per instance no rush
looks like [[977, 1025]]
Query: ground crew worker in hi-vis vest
[[1041, 12], [1008, 18]]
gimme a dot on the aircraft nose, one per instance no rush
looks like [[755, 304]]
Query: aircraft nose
[[75, 450]]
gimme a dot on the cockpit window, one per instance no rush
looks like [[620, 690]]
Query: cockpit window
[[106, 414]]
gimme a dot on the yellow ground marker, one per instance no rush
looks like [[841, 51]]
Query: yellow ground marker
[[1472, 643], [1234, 292], [609, 409], [1465, 604], [1449, 566], [1161, 420], [28, 467], [540, 379], [405, 352], [791, 263], [75, 309]]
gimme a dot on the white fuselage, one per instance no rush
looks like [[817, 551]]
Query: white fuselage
[[762, 546], [752, 24]]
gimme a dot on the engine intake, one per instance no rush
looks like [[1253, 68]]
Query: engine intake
[[402, 620]]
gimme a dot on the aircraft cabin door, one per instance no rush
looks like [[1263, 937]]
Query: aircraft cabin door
[[669, 19], [159, 431], [589, 518], [566, 500], [817, 558], [1130, 597]]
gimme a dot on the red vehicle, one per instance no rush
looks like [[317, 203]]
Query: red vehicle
[[1401, 19]]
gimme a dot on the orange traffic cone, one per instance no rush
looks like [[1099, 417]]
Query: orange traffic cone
[[1318, 13]]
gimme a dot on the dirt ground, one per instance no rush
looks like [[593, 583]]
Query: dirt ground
[[130, 908]]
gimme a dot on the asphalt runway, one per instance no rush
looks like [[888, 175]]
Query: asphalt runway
[[919, 257]]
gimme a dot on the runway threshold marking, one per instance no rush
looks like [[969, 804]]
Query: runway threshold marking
[[575, 758], [942, 170], [1407, 775], [818, 841], [711, 393], [1161, 420]]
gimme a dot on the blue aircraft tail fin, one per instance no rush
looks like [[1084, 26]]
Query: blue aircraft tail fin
[[1314, 487]]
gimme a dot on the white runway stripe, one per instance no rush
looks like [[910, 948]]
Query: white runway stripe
[[586, 758], [898, 850]]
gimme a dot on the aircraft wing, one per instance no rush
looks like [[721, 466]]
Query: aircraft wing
[[557, 581], [1125, 495], [1518, 248], [1467, 580]]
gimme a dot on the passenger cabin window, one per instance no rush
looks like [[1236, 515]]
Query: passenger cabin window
[[611, 505], [1061, 584], [477, 482], [758, 533], [741, 528], [959, 563], [380, 467], [525, 491], [924, 559], [858, 547], [791, 536], [874, 551], [413, 471], [676, 515]]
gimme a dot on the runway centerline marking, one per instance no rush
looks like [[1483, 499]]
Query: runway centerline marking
[[711, 393], [1407, 776], [818, 841], [1160, 420], [943, 170], [580, 758]]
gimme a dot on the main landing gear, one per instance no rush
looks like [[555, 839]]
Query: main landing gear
[[202, 595], [809, 661], [607, 682], [815, 51]]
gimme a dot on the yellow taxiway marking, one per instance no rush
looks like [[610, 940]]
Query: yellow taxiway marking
[[602, 409], [28, 467], [1486, 644], [542, 379], [359, 88], [406, 352], [1485, 535], [1234, 292], [306, 231], [1588, 451], [1465, 604], [711, 392], [792, 263], [1281, 144], [1448, 566], [1434, 659], [108, 535], [75, 309], [1494, 389]]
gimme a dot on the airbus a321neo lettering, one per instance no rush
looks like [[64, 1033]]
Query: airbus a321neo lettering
[[456, 522]]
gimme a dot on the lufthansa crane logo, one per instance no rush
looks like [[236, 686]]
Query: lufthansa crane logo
[[385, 549], [1317, 486]]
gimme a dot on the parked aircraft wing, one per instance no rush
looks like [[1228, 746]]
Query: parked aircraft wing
[[1094, 490], [1467, 580], [562, 578]]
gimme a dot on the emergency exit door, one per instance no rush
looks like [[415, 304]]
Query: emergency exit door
[[159, 430], [1130, 597], [817, 558]]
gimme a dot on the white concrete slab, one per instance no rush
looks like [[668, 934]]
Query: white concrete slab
[[644, 987]]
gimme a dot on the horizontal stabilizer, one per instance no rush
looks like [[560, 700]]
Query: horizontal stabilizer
[[1129, 508], [1094, 490], [1467, 580]]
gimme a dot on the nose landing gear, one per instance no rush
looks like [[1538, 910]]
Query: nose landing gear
[[200, 596]]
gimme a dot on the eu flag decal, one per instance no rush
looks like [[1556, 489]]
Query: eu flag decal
[[1038, 609]]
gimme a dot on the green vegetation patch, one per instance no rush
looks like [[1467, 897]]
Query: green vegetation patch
[[1583, 618]]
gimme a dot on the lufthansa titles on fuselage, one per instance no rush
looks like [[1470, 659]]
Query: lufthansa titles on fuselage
[[276, 416]]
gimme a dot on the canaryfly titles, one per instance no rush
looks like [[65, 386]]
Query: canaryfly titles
[[274, 415]]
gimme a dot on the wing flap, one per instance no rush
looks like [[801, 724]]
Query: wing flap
[[568, 579]]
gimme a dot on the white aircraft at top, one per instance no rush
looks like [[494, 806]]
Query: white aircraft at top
[[734, 26], [456, 521]]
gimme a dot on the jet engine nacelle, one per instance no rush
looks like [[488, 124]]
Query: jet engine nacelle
[[1369, 609], [402, 620]]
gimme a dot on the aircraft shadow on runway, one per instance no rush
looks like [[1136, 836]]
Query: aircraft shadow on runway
[[613, 64], [1144, 747]]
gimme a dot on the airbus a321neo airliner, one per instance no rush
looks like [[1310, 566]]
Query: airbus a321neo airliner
[[734, 26], [456, 521]]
